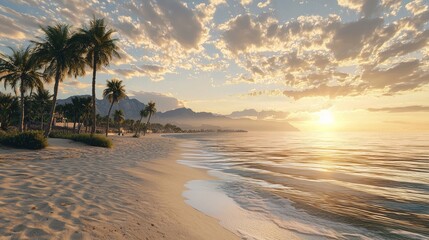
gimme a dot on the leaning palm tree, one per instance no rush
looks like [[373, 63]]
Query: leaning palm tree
[[150, 109], [118, 117], [61, 56], [100, 49], [114, 92], [42, 99], [20, 69]]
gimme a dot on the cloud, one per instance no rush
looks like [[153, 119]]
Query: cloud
[[160, 22], [417, 7], [400, 77], [154, 72], [164, 102], [371, 8], [325, 91], [306, 54], [245, 2], [350, 38], [415, 108], [242, 33], [264, 4]]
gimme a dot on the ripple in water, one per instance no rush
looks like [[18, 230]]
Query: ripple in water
[[313, 186]]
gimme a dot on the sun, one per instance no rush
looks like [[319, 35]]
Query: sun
[[325, 117]]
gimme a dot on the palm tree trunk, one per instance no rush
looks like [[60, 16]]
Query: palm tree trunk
[[108, 117], [94, 73], [54, 103], [147, 124], [21, 120]]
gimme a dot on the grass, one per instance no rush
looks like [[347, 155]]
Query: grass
[[95, 140], [29, 140]]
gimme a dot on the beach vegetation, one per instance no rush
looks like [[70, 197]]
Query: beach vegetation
[[114, 92], [40, 103], [96, 140], [60, 55], [29, 139], [151, 110], [9, 110], [118, 117], [100, 48], [19, 70], [59, 52], [140, 125]]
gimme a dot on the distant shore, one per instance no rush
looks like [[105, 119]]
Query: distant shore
[[73, 191]]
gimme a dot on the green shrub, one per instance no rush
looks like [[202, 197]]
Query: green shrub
[[57, 134], [28, 140], [95, 140]]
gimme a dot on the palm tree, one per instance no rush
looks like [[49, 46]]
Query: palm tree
[[61, 56], [150, 109], [143, 113], [115, 91], [21, 69], [86, 107], [118, 117], [100, 49], [42, 99]]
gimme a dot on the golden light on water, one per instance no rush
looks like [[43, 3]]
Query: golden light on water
[[326, 117]]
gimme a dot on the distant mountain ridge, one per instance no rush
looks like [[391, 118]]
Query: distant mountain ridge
[[186, 118]]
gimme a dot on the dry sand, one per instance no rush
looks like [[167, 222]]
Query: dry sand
[[73, 191]]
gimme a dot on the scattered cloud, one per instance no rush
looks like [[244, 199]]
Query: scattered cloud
[[360, 47], [416, 108]]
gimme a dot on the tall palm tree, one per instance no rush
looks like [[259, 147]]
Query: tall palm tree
[[100, 49], [61, 56], [42, 99], [20, 69], [150, 109], [118, 117], [115, 91]]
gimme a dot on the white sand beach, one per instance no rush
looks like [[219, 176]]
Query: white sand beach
[[73, 191]]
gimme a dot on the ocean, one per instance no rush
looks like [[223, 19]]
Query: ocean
[[297, 185]]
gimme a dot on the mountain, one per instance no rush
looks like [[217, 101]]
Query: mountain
[[187, 119], [131, 107]]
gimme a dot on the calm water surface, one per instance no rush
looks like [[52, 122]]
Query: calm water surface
[[313, 185]]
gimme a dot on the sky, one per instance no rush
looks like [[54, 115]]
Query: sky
[[362, 64]]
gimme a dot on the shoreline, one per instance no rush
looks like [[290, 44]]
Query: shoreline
[[72, 191], [167, 183]]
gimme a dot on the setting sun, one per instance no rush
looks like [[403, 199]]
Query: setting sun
[[325, 117]]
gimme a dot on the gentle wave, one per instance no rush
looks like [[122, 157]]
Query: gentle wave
[[319, 186]]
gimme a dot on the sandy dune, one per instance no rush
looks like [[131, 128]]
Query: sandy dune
[[74, 191]]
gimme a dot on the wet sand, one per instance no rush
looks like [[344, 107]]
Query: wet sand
[[73, 191]]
